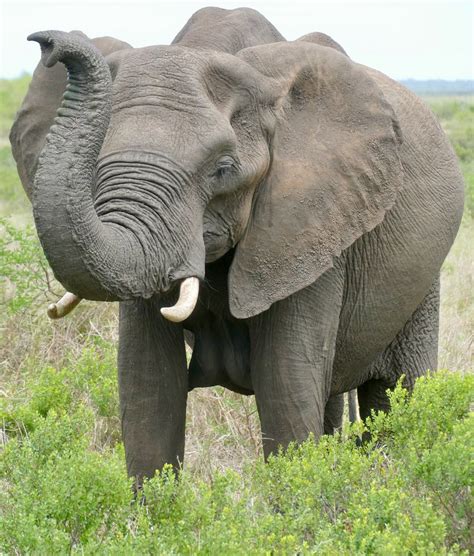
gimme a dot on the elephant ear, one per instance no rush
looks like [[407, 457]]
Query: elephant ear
[[38, 110], [335, 171]]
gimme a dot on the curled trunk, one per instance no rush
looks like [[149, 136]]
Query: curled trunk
[[91, 258]]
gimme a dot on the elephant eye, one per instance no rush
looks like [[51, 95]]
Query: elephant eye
[[225, 167]]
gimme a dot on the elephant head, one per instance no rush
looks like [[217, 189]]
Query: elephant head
[[163, 158]]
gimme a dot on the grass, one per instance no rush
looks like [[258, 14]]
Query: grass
[[12, 92], [61, 433], [457, 118], [456, 346]]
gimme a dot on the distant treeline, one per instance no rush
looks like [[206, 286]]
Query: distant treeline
[[440, 86]]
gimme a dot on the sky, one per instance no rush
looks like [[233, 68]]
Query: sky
[[404, 38]]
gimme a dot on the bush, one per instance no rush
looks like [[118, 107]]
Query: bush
[[26, 277], [88, 382], [58, 492], [407, 491], [433, 436]]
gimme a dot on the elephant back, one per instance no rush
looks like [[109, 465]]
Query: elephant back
[[323, 40], [227, 30]]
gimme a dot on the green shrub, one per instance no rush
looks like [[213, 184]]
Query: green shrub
[[89, 381], [26, 278], [59, 492], [406, 492], [432, 436]]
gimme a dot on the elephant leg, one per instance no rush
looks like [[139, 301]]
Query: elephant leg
[[333, 413], [153, 386], [373, 395], [353, 404], [412, 353], [292, 352]]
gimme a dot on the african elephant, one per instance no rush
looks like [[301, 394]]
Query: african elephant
[[301, 203]]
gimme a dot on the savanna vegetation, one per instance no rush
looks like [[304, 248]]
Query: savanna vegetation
[[63, 486]]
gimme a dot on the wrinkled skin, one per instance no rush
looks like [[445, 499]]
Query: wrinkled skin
[[314, 198]]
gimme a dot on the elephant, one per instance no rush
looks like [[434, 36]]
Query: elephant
[[285, 208]]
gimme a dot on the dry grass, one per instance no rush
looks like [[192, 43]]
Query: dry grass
[[457, 303], [222, 431]]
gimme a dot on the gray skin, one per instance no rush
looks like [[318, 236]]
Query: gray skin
[[314, 198]]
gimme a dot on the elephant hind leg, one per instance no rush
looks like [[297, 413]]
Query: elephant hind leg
[[333, 413], [412, 353], [373, 395]]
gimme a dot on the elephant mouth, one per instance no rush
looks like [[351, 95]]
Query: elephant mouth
[[180, 311], [217, 245]]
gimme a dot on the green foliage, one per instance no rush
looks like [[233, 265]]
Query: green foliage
[[25, 274], [57, 491], [420, 434], [89, 381], [408, 491]]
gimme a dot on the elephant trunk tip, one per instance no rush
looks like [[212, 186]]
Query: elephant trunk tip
[[50, 49]]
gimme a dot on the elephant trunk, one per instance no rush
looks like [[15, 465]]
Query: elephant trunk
[[94, 259]]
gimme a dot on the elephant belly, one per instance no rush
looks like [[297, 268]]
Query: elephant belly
[[380, 298], [388, 273], [221, 355]]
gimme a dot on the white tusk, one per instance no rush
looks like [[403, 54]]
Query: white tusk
[[64, 306], [188, 296]]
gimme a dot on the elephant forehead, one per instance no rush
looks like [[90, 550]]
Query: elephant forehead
[[161, 74], [189, 135], [162, 103]]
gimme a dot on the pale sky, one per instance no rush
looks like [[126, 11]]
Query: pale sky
[[403, 38]]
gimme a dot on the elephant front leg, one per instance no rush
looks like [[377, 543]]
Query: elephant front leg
[[292, 353], [153, 388]]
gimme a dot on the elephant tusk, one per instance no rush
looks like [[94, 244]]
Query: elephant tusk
[[64, 306], [188, 296]]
